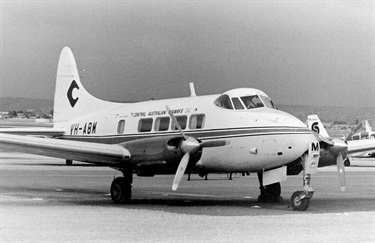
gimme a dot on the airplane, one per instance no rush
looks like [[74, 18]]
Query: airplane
[[316, 125], [368, 133], [238, 131]]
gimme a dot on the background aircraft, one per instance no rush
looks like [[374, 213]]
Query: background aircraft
[[354, 147], [237, 131]]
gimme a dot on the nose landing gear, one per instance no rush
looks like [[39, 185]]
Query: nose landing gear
[[300, 200]]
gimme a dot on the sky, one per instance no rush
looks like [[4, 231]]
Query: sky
[[298, 52]]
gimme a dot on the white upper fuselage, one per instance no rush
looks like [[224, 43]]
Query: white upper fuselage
[[257, 138]]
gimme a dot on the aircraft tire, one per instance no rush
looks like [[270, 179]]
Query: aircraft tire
[[274, 190], [347, 162], [121, 191], [301, 205], [271, 193], [69, 162]]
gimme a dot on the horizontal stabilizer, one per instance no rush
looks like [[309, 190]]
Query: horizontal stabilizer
[[33, 131], [66, 149]]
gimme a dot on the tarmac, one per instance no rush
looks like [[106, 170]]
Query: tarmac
[[43, 200]]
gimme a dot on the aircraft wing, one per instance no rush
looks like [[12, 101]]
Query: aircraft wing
[[66, 149], [360, 145], [33, 131]]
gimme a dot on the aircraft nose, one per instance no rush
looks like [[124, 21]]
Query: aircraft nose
[[292, 121], [286, 119]]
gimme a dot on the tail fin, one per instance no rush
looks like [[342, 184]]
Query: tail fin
[[367, 126], [71, 98], [314, 123]]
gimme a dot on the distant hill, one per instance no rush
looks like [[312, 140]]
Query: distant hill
[[23, 104]]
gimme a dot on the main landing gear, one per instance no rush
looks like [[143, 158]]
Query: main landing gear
[[121, 189], [269, 193]]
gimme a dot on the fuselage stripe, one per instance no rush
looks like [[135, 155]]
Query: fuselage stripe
[[201, 134]]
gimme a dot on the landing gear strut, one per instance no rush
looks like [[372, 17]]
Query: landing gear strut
[[300, 200], [269, 193], [121, 189]]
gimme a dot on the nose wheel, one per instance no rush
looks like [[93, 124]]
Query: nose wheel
[[299, 201]]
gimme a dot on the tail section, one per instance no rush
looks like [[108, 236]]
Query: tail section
[[367, 126], [71, 99], [314, 123]]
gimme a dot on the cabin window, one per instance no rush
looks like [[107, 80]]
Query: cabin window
[[182, 120], [252, 101], [145, 125], [237, 104], [162, 123], [224, 102], [121, 127], [196, 121]]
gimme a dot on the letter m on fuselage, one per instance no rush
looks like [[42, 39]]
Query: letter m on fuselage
[[315, 146]]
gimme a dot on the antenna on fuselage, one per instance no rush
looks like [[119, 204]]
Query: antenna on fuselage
[[192, 90]]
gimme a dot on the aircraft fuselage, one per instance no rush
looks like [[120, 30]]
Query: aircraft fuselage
[[257, 139]]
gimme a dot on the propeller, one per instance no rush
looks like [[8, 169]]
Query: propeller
[[338, 149], [188, 146], [353, 131]]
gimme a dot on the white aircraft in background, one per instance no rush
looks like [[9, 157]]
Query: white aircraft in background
[[237, 131], [367, 134], [316, 125]]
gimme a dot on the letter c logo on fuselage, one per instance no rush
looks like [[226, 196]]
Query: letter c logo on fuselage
[[73, 86]]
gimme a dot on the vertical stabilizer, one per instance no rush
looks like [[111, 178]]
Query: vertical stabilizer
[[71, 99], [314, 123], [368, 127]]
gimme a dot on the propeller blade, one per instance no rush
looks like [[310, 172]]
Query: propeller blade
[[174, 120], [354, 130], [341, 171], [180, 171]]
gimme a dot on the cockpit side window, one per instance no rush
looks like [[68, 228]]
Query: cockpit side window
[[224, 102], [268, 102], [252, 101], [237, 104]]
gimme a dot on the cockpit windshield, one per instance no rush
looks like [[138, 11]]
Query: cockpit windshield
[[252, 101], [268, 102], [244, 99]]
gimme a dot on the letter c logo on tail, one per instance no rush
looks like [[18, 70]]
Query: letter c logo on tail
[[73, 86]]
